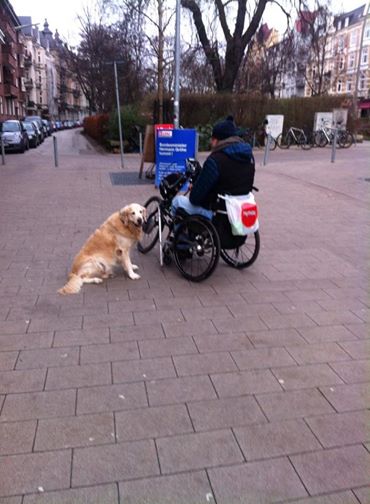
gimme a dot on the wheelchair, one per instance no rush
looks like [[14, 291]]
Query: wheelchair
[[193, 242]]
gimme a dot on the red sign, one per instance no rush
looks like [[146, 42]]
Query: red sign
[[249, 214]]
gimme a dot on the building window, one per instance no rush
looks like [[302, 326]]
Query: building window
[[367, 32], [341, 63], [1, 73], [340, 43], [362, 81], [349, 85], [40, 99], [353, 38], [364, 56], [1, 105], [346, 22], [339, 25], [339, 86], [351, 60]]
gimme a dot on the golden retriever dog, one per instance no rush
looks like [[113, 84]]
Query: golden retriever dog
[[107, 247]]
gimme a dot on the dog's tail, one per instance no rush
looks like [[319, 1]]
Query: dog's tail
[[73, 285]]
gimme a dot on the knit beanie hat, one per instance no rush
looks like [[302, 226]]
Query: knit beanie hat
[[224, 129]]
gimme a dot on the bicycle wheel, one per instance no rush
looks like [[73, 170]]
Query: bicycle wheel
[[245, 255], [272, 143], [196, 248], [283, 141], [151, 227], [305, 141], [320, 139], [345, 139]]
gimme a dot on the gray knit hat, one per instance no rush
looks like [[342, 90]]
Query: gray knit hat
[[224, 129]]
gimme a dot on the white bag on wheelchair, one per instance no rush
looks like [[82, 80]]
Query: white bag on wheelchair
[[242, 213]]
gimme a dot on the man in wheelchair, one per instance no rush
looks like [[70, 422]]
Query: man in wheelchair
[[229, 169]]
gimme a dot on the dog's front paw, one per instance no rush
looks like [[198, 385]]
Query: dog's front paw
[[135, 267], [134, 276]]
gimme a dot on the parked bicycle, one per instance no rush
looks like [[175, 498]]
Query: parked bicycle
[[294, 136], [325, 136], [257, 137], [191, 241]]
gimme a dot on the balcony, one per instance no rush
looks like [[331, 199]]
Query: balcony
[[10, 90], [38, 85], [28, 60], [28, 84], [9, 59]]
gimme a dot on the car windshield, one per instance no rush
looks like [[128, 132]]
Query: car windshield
[[28, 126], [10, 126]]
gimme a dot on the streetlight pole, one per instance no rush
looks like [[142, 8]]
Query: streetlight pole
[[118, 111], [176, 103], [358, 70]]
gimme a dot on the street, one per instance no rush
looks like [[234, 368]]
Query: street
[[251, 387]]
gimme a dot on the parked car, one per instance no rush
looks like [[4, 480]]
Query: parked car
[[32, 133], [47, 126], [39, 123], [14, 136]]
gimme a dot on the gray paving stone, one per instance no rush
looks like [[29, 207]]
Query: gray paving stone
[[54, 324], [289, 307], [110, 320], [316, 353], [189, 488], [353, 371], [335, 317], [295, 321], [48, 357], [294, 404], [339, 429], [11, 500], [22, 381], [262, 358], [181, 303], [245, 382], [246, 324], [323, 334], [241, 309], [276, 338], [49, 471], [363, 495], [78, 376], [143, 369], [16, 437], [188, 328], [103, 494], [38, 405], [333, 498], [143, 332], [308, 376], [204, 364], [361, 331], [143, 318], [80, 337], [13, 327], [111, 398], [109, 352], [196, 451], [8, 360], [155, 422], [22, 341], [104, 464], [334, 469], [167, 346], [256, 482], [228, 412], [357, 349], [180, 390], [348, 397], [273, 439], [222, 342], [120, 307], [69, 432]]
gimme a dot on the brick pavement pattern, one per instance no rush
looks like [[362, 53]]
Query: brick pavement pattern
[[249, 388]]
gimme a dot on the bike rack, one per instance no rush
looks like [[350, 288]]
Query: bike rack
[[160, 237]]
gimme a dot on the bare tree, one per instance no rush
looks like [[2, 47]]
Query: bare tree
[[313, 28], [247, 20]]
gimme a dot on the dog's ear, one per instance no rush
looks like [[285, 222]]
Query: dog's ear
[[123, 215]]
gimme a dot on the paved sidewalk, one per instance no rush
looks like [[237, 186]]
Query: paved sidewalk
[[251, 387]]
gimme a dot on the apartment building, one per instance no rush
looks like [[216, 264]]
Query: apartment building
[[349, 53], [12, 90]]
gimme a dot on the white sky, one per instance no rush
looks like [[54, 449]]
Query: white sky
[[62, 14]]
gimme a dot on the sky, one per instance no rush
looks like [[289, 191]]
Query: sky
[[62, 14]]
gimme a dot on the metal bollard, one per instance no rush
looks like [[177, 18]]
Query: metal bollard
[[55, 144], [2, 151], [141, 143], [334, 146], [267, 149]]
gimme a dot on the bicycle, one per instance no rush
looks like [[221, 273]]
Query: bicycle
[[193, 242], [325, 136], [294, 136], [257, 138]]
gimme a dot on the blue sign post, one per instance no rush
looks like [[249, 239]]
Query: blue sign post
[[173, 146]]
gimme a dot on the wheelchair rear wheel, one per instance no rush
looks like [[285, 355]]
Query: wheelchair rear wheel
[[196, 248], [245, 255], [151, 227]]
